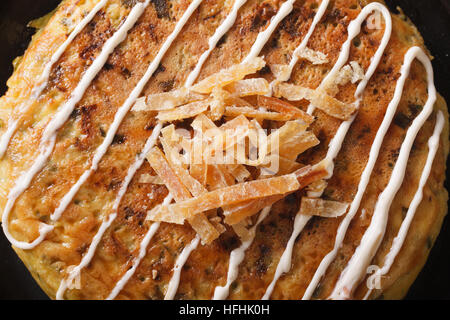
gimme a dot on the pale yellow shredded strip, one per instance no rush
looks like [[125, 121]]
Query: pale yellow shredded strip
[[318, 98], [249, 87], [167, 100], [227, 76], [255, 113], [176, 213], [322, 208], [281, 106], [306, 175], [186, 111], [179, 191]]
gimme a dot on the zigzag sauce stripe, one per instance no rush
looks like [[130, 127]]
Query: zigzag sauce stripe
[[373, 236], [354, 29], [48, 139], [43, 79]]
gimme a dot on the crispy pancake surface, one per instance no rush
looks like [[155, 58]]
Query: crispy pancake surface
[[207, 266]]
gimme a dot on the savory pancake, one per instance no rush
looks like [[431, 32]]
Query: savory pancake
[[62, 177]]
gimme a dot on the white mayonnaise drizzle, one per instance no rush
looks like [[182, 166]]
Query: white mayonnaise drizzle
[[284, 265], [373, 236], [237, 255], [48, 140], [236, 258], [75, 272], [220, 31], [296, 55], [335, 147], [255, 50], [265, 35], [354, 29], [118, 118], [123, 110], [212, 42], [142, 252], [43, 78], [397, 243], [181, 260]]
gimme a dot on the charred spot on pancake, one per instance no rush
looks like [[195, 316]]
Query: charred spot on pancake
[[109, 66], [88, 52], [401, 120], [134, 216], [114, 184], [264, 258], [222, 41], [129, 213], [166, 86], [160, 69], [119, 139], [91, 26], [264, 70], [129, 3], [125, 72], [291, 23], [262, 17], [86, 119], [75, 113], [334, 16], [57, 78], [162, 8], [364, 131], [228, 241]]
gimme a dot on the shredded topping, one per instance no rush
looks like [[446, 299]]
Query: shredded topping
[[217, 156], [352, 72], [319, 98], [322, 208], [315, 57]]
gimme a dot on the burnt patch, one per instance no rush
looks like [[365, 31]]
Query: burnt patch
[[264, 70], [364, 131], [86, 119], [167, 85], [114, 184], [228, 242], [158, 70], [126, 73], [108, 66], [75, 113], [129, 213], [402, 120], [262, 264], [129, 3], [162, 8], [262, 17], [334, 17], [119, 139], [57, 79], [222, 41], [88, 52]]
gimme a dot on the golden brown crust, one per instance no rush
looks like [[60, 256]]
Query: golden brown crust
[[207, 266]]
